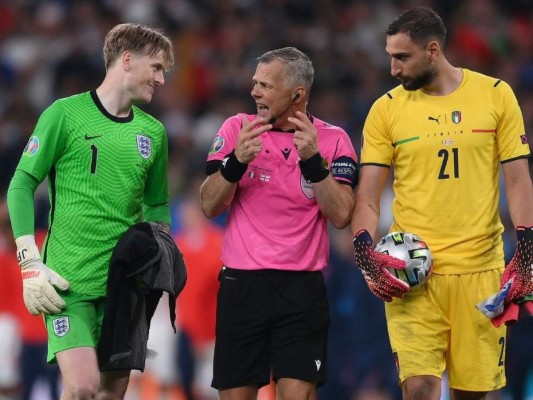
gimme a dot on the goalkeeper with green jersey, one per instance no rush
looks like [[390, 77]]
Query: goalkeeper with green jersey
[[106, 163]]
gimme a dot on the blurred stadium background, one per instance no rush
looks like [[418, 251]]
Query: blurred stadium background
[[52, 48]]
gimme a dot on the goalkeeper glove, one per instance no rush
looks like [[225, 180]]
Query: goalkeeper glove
[[373, 265], [520, 268], [37, 279]]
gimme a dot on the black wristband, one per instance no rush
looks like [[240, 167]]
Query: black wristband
[[524, 233], [314, 169], [232, 169]]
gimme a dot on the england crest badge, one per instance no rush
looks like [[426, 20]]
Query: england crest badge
[[144, 145], [61, 326]]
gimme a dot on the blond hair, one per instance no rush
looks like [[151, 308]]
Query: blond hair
[[137, 38]]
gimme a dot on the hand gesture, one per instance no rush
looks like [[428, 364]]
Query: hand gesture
[[248, 142], [305, 137]]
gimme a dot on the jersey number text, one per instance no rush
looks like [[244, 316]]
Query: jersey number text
[[444, 169], [94, 158]]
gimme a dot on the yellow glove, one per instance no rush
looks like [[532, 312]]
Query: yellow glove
[[37, 279]]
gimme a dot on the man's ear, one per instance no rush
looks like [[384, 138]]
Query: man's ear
[[434, 50], [126, 60]]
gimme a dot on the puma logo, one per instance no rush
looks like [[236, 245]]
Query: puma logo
[[434, 119]]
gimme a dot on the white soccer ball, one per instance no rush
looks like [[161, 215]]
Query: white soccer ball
[[414, 251]]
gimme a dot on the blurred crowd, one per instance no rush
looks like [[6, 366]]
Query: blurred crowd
[[53, 48]]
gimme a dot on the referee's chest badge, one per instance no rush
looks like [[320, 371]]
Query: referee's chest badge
[[144, 145], [307, 188], [61, 326]]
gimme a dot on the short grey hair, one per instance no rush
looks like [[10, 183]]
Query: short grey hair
[[299, 67]]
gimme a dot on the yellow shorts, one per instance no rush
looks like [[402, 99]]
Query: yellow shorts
[[437, 327]]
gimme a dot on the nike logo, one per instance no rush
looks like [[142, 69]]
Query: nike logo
[[87, 137]]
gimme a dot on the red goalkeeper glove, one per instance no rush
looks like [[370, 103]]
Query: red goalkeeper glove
[[520, 268], [373, 265]]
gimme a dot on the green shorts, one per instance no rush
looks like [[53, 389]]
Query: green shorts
[[78, 325], [437, 327]]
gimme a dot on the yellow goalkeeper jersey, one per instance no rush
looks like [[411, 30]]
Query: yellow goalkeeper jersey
[[445, 152]]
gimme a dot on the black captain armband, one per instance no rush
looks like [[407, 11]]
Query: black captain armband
[[315, 169], [232, 169]]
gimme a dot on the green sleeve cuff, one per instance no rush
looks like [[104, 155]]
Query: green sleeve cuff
[[157, 213]]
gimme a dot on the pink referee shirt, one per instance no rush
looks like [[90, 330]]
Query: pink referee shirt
[[274, 221]]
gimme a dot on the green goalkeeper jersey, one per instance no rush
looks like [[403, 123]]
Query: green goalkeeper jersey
[[104, 174]]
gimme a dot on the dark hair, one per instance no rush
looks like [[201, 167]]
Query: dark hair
[[420, 24], [299, 69], [137, 38]]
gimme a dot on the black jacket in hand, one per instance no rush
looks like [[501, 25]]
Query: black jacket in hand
[[144, 263]]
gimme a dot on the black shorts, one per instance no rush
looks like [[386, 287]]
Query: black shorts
[[270, 321]]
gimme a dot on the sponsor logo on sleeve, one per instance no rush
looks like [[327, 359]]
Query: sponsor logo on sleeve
[[32, 147], [218, 144]]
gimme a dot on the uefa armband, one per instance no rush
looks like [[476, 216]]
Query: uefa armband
[[232, 169], [314, 169]]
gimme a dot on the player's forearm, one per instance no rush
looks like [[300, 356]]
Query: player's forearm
[[216, 194], [521, 207], [368, 199], [335, 200], [519, 190], [365, 215]]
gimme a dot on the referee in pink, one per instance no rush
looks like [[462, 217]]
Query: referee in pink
[[281, 174]]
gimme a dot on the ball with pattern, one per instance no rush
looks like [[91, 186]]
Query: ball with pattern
[[414, 251]]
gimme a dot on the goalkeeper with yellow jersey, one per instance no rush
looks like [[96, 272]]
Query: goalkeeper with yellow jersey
[[445, 131], [106, 163]]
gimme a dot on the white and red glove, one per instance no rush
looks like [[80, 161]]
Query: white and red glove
[[374, 264], [37, 279], [520, 268]]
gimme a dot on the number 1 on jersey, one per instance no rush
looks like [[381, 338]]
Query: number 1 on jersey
[[94, 158]]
